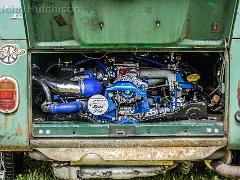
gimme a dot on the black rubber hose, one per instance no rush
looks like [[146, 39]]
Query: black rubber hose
[[44, 87], [225, 170]]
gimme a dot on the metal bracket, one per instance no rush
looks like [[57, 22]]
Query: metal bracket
[[226, 42]]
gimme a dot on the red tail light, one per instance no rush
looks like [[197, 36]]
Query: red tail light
[[8, 95]]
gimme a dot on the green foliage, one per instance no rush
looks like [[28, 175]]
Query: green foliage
[[36, 170]]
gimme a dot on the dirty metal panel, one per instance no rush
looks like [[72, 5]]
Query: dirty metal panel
[[14, 129], [234, 126], [127, 142], [236, 32], [107, 172], [126, 154], [95, 160], [141, 24], [11, 20], [178, 128]]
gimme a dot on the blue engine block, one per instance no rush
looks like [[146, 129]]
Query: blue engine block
[[128, 90]]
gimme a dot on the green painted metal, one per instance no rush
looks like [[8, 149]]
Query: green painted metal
[[163, 129], [236, 32], [14, 127], [126, 25], [11, 20], [234, 126], [136, 24]]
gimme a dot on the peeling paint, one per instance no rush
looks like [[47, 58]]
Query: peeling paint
[[19, 130], [5, 122]]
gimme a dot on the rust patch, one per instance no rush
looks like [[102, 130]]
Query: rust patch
[[15, 148], [60, 20], [127, 143], [216, 27], [19, 130], [131, 154], [5, 122]]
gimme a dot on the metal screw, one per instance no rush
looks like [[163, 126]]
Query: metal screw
[[209, 130], [158, 23], [40, 131], [237, 116], [101, 24], [48, 131], [216, 131]]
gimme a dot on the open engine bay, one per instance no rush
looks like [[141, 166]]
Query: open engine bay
[[127, 88]]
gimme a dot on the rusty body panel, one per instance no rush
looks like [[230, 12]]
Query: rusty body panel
[[131, 154], [75, 173], [125, 150], [14, 127], [127, 143]]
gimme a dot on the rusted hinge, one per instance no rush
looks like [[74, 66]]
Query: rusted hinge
[[226, 42]]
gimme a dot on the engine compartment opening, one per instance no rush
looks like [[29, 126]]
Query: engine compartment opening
[[127, 88]]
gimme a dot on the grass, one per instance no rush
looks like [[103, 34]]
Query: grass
[[38, 170]]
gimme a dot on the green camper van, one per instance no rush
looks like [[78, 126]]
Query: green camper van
[[120, 88]]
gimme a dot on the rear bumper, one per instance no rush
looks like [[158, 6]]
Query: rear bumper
[[101, 151]]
